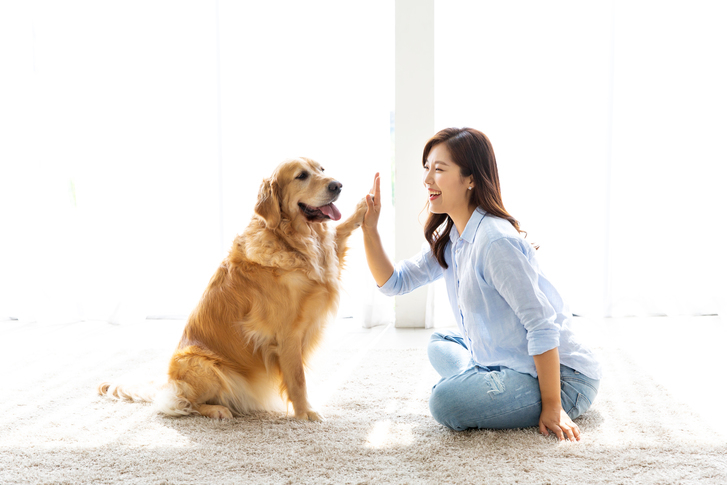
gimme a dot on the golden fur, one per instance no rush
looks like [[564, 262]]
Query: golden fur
[[246, 343]]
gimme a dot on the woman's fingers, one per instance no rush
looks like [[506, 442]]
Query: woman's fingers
[[373, 199], [574, 434], [571, 429], [373, 204], [568, 432], [373, 186], [565, 430]]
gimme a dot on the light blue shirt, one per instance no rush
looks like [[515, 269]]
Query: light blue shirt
[[505, 308]]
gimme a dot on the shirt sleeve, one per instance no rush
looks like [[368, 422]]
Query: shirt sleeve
[[509, 271], [412, 273]]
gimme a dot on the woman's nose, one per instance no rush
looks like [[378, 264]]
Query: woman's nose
[[427, 177]]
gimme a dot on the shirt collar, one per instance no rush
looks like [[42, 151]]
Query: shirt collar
[[470, 229]]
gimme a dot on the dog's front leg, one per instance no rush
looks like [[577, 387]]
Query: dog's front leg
[[291, 366], [344, 229]]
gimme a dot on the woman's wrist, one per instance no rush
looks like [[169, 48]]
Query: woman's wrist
[[370, 232], [551, 405]]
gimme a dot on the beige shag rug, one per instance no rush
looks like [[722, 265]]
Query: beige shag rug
[[55, 429]]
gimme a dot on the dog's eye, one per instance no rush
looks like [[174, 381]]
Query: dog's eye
[[302, 176]]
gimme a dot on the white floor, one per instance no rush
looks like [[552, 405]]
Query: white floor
[[682, 354]]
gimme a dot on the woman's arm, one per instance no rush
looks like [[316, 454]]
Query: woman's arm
[[379, 264], [552, 415]]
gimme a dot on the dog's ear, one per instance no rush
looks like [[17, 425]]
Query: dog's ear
[[268, 203]]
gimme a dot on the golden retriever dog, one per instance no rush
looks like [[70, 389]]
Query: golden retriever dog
[[245, 345]]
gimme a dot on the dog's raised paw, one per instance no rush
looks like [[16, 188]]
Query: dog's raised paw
[[359, 213]]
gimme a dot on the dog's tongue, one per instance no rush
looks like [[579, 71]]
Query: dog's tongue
[[331, 211]]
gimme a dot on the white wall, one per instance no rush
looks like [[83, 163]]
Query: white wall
[[109, 128], [135, 136], [607, 122]]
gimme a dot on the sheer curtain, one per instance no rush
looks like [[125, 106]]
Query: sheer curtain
[[135, 136], [607, 119]]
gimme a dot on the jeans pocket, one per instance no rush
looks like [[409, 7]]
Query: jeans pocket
[[582, 405], [574, 403]]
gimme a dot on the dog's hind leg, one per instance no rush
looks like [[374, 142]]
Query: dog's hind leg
[[195, 378]]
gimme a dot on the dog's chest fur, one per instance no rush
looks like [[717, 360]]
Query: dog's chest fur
[[290, 252]]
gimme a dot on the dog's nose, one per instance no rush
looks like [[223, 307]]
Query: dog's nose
[[335, 187]]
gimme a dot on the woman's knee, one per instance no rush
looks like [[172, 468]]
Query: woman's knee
[[435, 346], [438, 336], [444, 409], [448, 356], [443, 339]]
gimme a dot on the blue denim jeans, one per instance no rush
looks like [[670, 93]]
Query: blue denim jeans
[[472, 396]]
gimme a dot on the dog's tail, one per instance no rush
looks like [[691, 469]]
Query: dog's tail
[[167, 399], [170, 400], [138, 393]]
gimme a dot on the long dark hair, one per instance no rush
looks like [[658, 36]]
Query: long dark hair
[[472, 151]]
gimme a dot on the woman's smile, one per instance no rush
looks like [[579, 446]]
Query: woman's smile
[[433, 195]]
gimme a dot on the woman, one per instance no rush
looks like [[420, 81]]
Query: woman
[[514, 362]]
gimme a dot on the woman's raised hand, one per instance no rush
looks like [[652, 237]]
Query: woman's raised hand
[[373, 203], [379, 264]]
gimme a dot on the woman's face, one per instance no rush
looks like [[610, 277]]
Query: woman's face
[[447, 188]]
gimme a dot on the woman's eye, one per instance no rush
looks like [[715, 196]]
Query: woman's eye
[[302, 176]]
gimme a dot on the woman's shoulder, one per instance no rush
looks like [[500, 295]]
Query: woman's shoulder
[[493, 228], [499, 233]]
